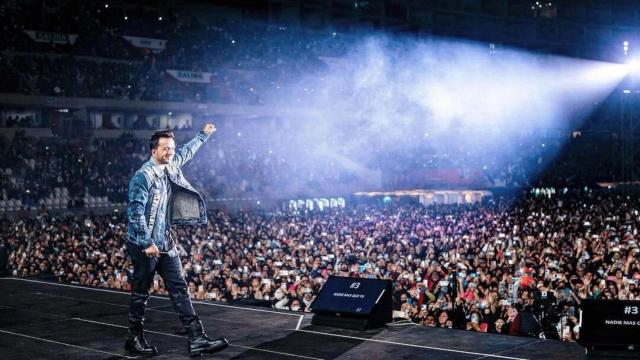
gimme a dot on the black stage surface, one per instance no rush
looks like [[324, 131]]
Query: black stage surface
[[43, 320]]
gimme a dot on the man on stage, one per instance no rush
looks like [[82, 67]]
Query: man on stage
[[160, 196]]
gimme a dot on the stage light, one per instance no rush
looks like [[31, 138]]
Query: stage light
[[626, 91], [492, 48], [625, 47]]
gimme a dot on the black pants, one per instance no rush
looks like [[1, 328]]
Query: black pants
[[170, 269]]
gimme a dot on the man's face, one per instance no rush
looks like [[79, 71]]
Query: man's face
[[163, 153]]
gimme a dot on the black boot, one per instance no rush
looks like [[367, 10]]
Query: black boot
[[136, 344], [200, 343]]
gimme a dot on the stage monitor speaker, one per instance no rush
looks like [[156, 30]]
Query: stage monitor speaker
[[611, 327], [353, 303]]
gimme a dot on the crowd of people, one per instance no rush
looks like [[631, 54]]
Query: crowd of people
[[37, 166], [97, 167], [246, 60], [243, 162], [475, 267], [55, 75]]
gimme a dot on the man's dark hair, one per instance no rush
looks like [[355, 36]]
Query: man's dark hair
[[155, 138]]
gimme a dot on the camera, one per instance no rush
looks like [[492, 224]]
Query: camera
[[547, 313]]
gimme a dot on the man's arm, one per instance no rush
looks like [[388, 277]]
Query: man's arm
[[138, 197], [186, 151]]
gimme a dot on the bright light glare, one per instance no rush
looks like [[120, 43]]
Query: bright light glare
[[602, 73], [633, 66], [393, 91]]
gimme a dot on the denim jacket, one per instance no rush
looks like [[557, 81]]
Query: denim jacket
[[147, 222]]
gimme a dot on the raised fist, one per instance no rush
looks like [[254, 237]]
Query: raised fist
[[209, 129]]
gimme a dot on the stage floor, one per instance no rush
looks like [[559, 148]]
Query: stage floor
[[45, 320]]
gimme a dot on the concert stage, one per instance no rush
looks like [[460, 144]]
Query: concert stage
[[43, 320]]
